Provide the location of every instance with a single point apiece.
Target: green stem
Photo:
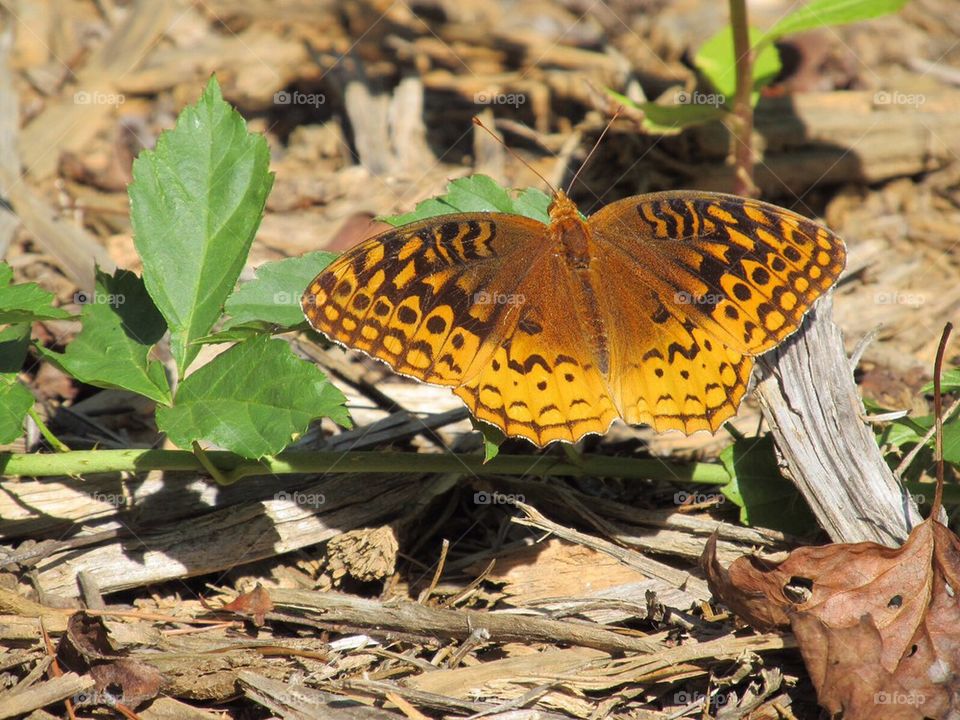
(234, 467)
(54, 441)
(742, 118)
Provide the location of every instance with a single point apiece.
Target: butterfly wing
(543, 382)
(416, 297)
(475, 302)
(744, 271)
(697, 284)
(665, 370)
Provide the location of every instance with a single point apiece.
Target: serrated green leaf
(253, 399)
(15, 401)
(949, 382)
(477, 193)
(274, 296)
(14, 343)
(25, 302)
(716, 60)
(764, 496)
(120, 326)
(196, 203)
(820, 13)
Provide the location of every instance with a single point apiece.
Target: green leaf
(25, 302)
(659, 119)
(274, 296)
(949, 382)
(493, 438)
(14, 343)
(716, 60)
(820, 13)
(764, 496)
(120, 326)
(15, 401)
(909, 431)
(253, 399)
(195, 203)
(477, 193)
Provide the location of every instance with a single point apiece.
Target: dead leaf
(126, 681)
(254, 604)
(87, 637)
(878, 627)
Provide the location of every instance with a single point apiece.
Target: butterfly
(651, 310)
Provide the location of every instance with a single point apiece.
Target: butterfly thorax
(570, 232)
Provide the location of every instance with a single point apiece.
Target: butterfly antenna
(593, 149)
(479, 124)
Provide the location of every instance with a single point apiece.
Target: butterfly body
(650, 310)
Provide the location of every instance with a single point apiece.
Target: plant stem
(234, 467)
(742, 118)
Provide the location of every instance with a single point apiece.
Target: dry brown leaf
(878, 627)
(127, 681)
(254, 604)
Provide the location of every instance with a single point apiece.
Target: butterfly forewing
(743, 270)
(426, 298)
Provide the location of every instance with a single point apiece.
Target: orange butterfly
(650, 310)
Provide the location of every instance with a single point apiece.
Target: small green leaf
(195, 203)
(493, 438)
(15, 401)
(120, 326)
(907, 432)
(820, 13)
(764, 496)
(949, 382)
(274, 296)
(25, 302)
(253, 399)
(477, 193)
(717, 62)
